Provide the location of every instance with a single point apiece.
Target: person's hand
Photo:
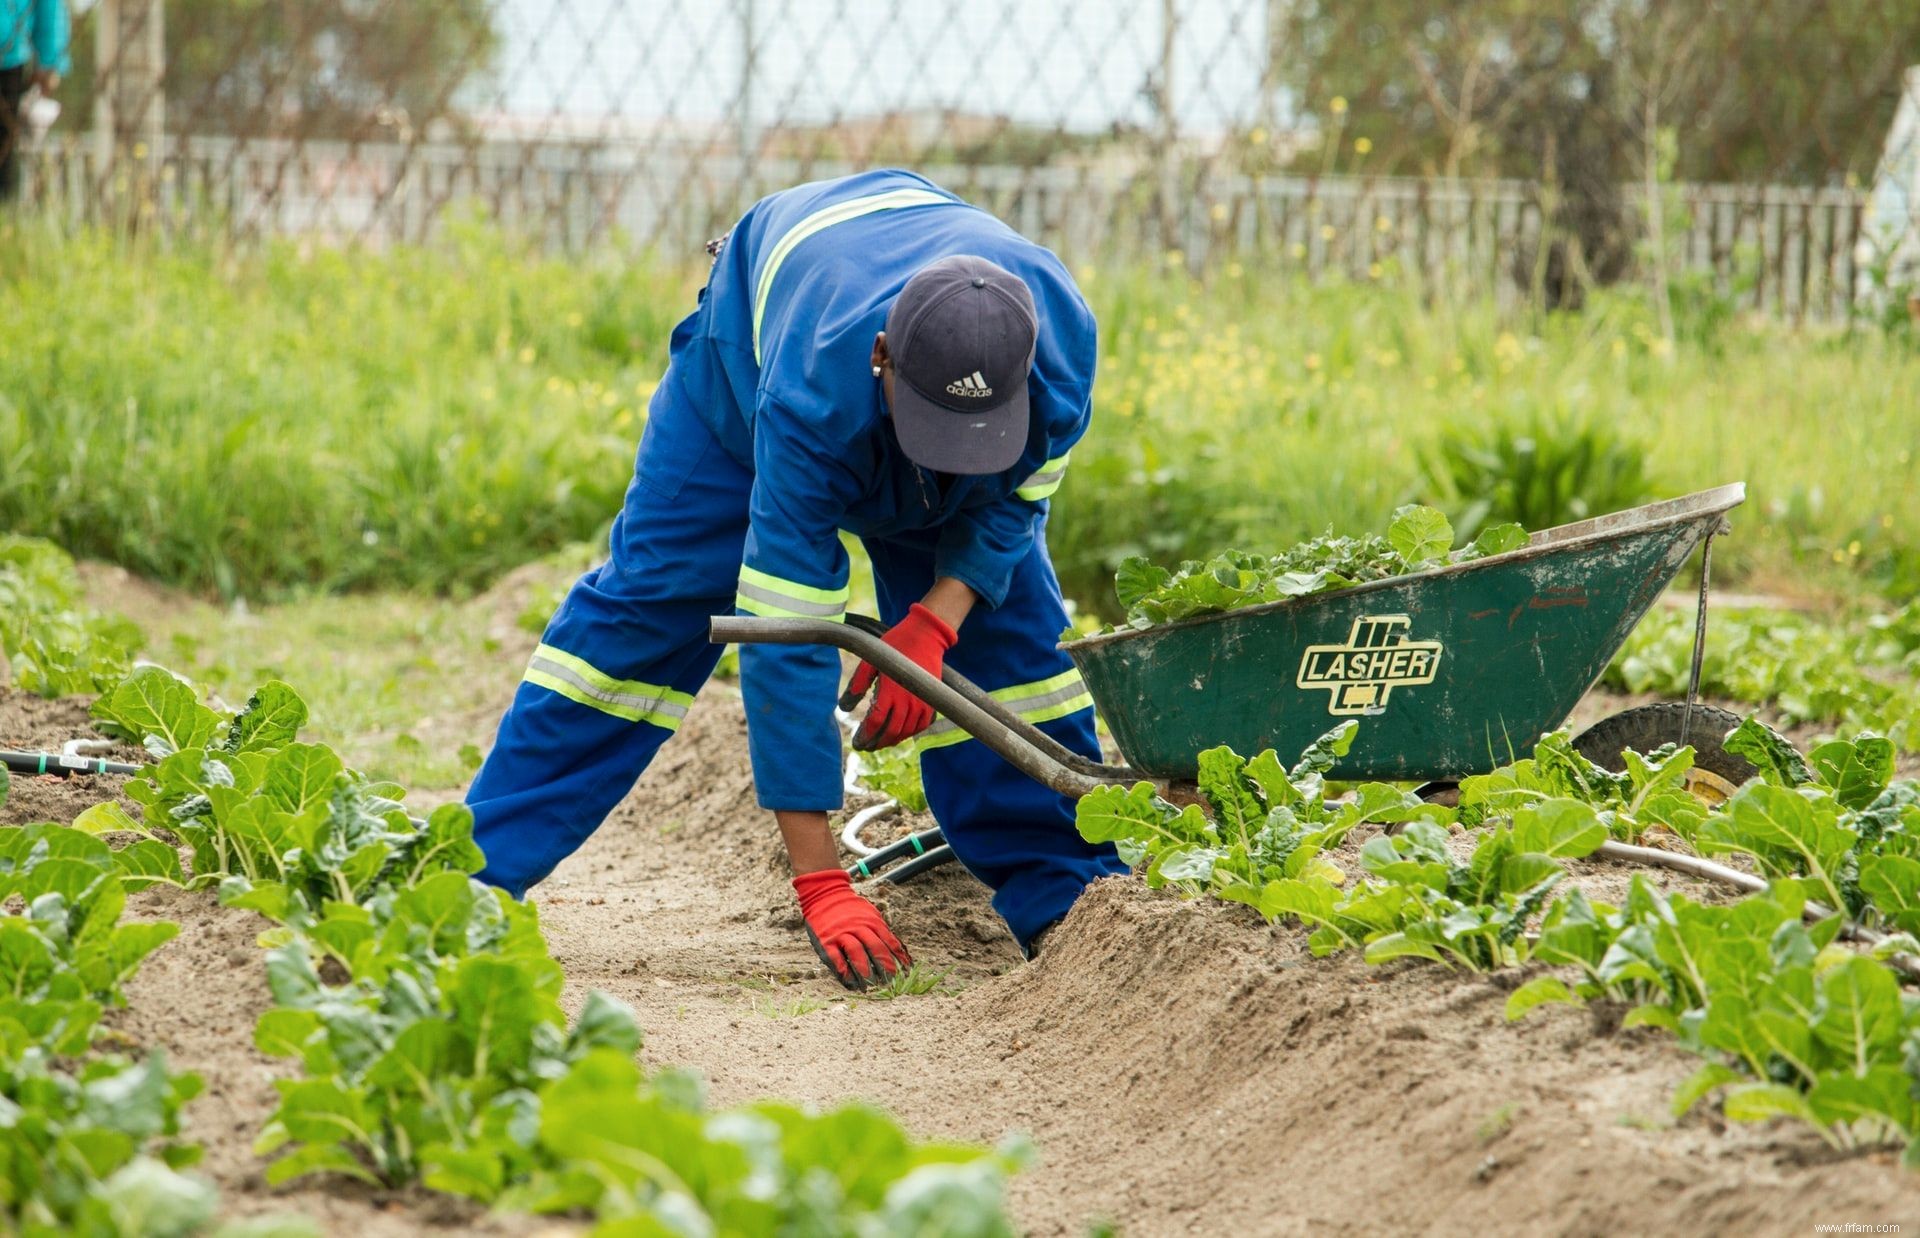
(48, 80)
(847, 931)
(896, 714)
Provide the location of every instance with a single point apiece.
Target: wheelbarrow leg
(1699, 636)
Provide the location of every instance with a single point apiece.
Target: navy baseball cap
(961, 335)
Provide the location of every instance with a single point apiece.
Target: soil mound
(1181, 1067)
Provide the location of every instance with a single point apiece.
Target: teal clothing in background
(35, 30)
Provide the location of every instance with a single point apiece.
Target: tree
(315, 68)
(1577, 93)
(1798, 90)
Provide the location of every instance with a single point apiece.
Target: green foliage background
(290, 419)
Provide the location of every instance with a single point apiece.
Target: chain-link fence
(1766, 151)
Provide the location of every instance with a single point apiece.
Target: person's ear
(881, 358)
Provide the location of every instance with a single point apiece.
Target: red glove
(896, 714)
(847, 931)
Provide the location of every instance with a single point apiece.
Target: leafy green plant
(53, 644)
(1540, 470)
(915, 981)
(68, 954)
(1651, 793)
(1477, 914)
(424, 1062)
(284, 827)
(644, 1153)
(1791, 1024)
(895, 773)
(424, 1010)
(88, 1141)
(94, 1150)
(1418, 538)
(1267, 822)
(1859, 672)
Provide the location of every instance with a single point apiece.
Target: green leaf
(1563, 829)
(605, 1022)
(105, 962)
(1700, 1083)
(1862, 1021)
(1652, 1014)
(1758, 1102)
(1136, 579)
(275, 1226)
(1537, 992)
(1788, 833)
(474, 1173)
(321, 1111)
(150, 704)
(285, 1032)
(149, 1198)
(318, 1158)
(1858, 770)
(430, 1050)
(1113, 814)
(107, 817)
(444, 905)
(1892, 884)
(1880, 1094)
(1276, 788)
(1499, 539)
(300, 776)
(1237, 812)
(272, 717)
(1772, 753)
(272, 899)
(1420, 533)
(1402, 945)
(1386, 861)
(1325, 752)
(361, 868)
(497, 1004)
(149, 862)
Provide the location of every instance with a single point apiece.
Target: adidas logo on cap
(972, 385)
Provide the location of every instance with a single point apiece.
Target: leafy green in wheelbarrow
(1418, 538)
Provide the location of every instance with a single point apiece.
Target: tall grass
(426, 418)
(325, 418)
(1255, 411)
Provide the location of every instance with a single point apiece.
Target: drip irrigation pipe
(918, 846)
(1693, 865)
(850, 834)
(62, 764)
(919, 864)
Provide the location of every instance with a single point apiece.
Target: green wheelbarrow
(1452, 671)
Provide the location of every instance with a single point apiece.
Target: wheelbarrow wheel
(1716, 773)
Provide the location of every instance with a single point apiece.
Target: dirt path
(1181, 1067)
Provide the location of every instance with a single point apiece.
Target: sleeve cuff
(990, 590)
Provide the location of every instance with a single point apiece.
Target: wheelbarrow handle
(1026, 747)
(1012, 721)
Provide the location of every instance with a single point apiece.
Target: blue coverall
(767, 437)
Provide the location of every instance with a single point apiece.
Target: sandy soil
(1181, 1067)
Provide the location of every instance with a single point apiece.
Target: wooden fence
(1799, 253)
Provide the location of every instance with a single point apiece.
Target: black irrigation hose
(914, 867)
(920, 845)
(61, 764)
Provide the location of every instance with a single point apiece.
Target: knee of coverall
(560, 765)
